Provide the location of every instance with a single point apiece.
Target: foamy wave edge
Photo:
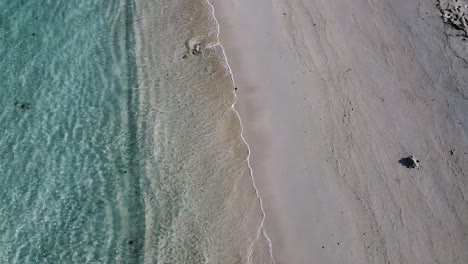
(261, 229)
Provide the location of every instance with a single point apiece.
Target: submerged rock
(197, 48)
(23, 105)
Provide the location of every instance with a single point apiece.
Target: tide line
(261, 230)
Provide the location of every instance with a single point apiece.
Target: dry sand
(332, 94)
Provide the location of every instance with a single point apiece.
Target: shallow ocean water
(118, 145)
(69, 173)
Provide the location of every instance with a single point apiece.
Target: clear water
(117, 144)
(69, 174)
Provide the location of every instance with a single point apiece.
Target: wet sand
(200, 203)
(332, 96)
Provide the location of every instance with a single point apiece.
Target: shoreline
(261, 230)
(288, 222)
(200, 205)
(331, 98)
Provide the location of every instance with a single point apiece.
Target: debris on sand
(197, 48)
(455, 13)
(414, 162)
(196, 45)
(410, 162)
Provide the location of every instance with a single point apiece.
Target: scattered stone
(452, 151)
(284, 14)
(130, 242)
(184, 57)
(235, 88)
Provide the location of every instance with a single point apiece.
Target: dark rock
(410, 162)
(197, 49)
(23, 105)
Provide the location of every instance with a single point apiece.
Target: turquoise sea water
(69, 174)
(117, 143)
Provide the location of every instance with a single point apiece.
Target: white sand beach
(332, 95)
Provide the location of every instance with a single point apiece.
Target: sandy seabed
(332, 96)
